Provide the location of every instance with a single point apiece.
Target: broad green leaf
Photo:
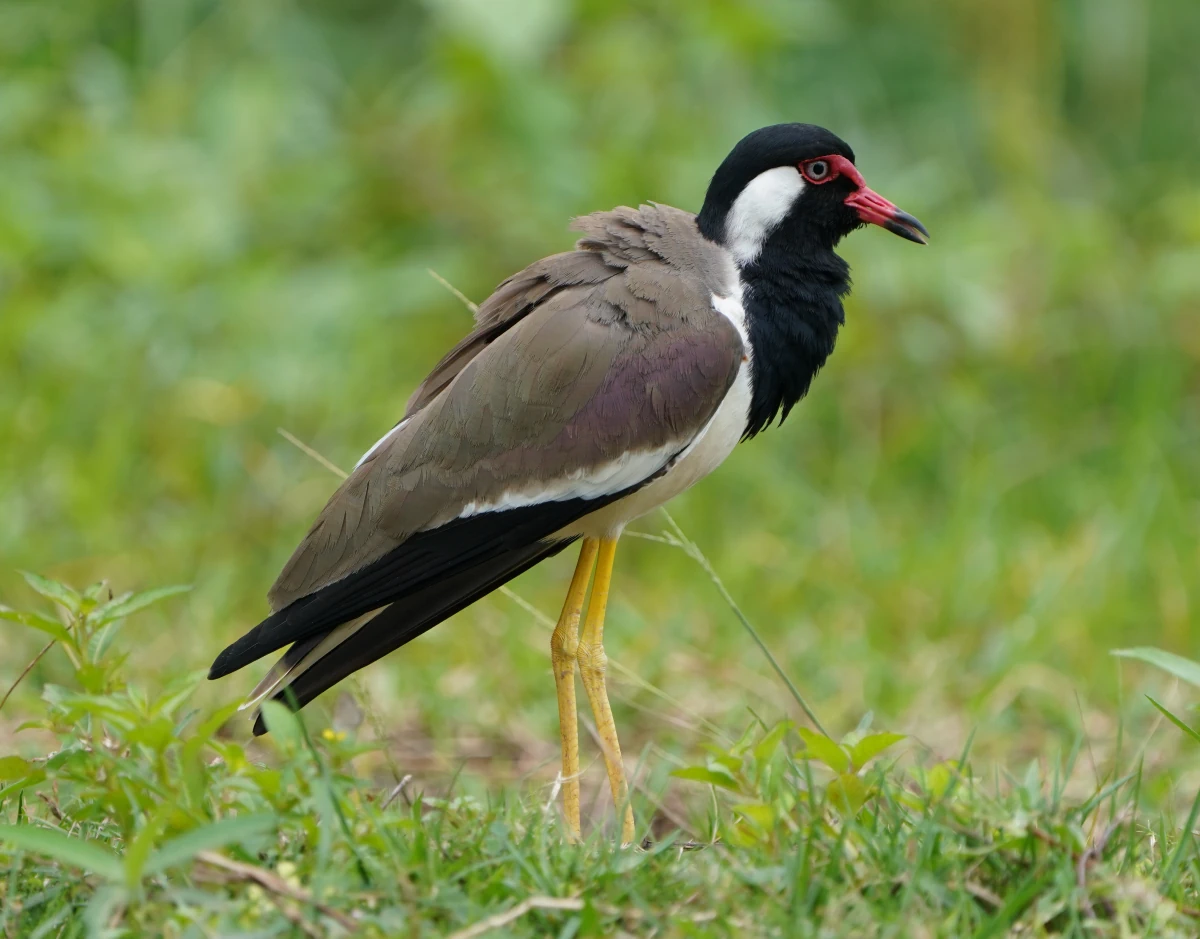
(37, 621)
(938, 778)
(283, 725)
(13, 767)
(218, 834)
(55, 844)
(722, 756)
(24, 782)
(821, 748)
(156, 733)
(54, 695)
(179, 693)
(53, 590)
(847, 793)
(714, 776)
(765, 748)
(102, 639)
(762, 816)
(871, 746)
(1175, 720)
(127, 605)
(1183, 669)
(93, 678)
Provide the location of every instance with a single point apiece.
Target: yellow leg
(592, 662)
(564, 646)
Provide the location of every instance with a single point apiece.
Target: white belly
(704, 455)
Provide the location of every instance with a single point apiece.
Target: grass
(153, 816)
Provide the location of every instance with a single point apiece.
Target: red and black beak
(874, 209)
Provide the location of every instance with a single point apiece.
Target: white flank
(722, 433)
(704, 453)
(379, 443)
(627, 470)
(760, 207)
(707, 450)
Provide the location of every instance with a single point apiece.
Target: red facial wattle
(871, 207)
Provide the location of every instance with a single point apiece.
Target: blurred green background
(216, 219)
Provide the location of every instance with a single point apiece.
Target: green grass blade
(60, 846)
(692, 550)
(1183, 669)
(1175, 720)
(1014, 906)
(1185, 838)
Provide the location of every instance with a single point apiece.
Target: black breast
(793, 304)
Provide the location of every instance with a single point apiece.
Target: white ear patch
(762, 205)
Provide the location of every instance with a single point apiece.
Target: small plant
(139, 785)
(129, 771)
(87, 624)
(768, 780)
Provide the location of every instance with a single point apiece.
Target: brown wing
(585, 376)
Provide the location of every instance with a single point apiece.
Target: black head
(797, 181)
(780, 202)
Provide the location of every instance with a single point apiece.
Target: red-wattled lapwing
(596, 385)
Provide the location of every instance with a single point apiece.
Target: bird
(596, 385)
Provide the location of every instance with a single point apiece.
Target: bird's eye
(817, 171)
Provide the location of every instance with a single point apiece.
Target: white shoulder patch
(732, 309)
(760, 207)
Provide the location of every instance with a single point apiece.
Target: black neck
(792, 295)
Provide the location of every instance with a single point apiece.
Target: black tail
(404, 620)
(425, 560)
